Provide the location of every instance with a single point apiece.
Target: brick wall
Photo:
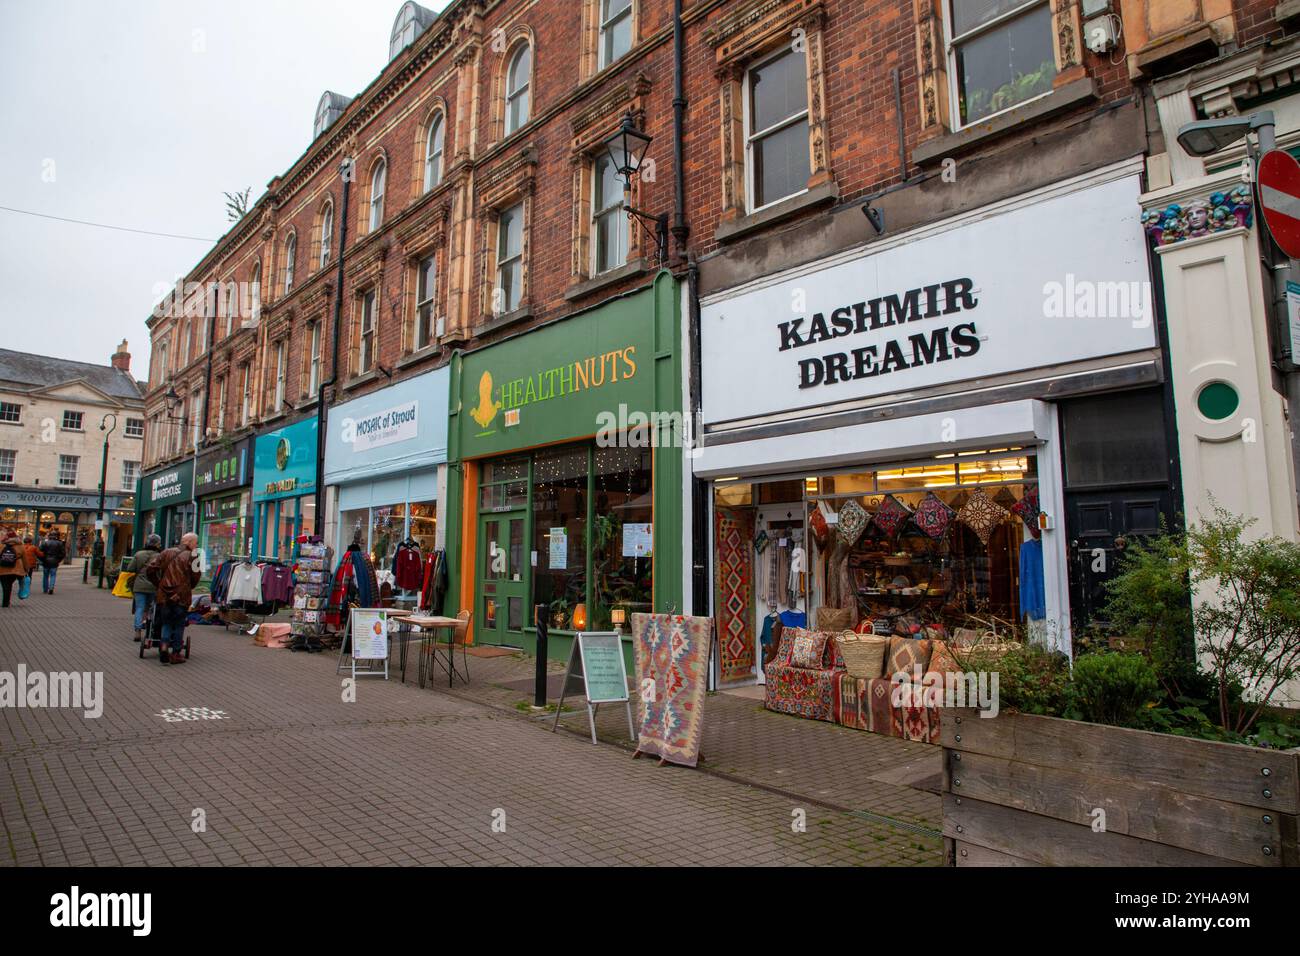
(456, 67)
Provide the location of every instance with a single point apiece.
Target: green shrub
(1031, 680)
(1115, 688)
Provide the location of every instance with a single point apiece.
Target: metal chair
(430, 646)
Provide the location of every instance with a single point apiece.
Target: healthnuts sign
(963, 300)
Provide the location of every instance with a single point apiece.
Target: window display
(381, 530)
(914, 550)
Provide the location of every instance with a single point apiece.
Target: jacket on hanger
(245, 583)
(408, 571)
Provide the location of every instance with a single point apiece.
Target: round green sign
(1217, 400)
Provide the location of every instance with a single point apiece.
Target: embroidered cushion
(853, 521)
(891, 515)
(785, 646)
(1027, 510)
(834, 619)
(820, 530)
(982, 514)
(905, 655)
(933, 516)
(808, 649)
(942, 660)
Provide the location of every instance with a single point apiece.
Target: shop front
(284, 489)
(912, 465)
(567, 474)
(383, 454)
(33, 512)
(222, 484)
(166, 503)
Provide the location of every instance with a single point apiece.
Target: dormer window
(412, 19)
(330, 108)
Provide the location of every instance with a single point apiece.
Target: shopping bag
(123, 587)
(24, 587)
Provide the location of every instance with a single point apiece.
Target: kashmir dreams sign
(997, 291)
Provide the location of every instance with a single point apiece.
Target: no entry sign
(1279, 199)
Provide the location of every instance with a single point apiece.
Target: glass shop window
(1114, 440)
(560, 531)
(622, 560)
(504, 485)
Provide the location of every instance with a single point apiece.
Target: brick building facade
(480, 202)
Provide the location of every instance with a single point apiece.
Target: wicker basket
(864, 654)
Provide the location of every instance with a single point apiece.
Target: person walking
(144, 590)
(31, 558)
(12, 567)
(174, 573)
(53, 552)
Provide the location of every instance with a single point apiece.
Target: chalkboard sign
(596, 670)
(603, 670)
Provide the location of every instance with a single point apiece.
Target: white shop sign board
(369, 640)
(1035, 286)
(392, 425)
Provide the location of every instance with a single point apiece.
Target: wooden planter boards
(1021, 790)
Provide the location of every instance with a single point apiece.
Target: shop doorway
(1117, 489)
(502, 584)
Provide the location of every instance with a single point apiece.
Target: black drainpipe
(681, 231)
(319, 523)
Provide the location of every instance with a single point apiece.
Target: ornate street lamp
(627, 148)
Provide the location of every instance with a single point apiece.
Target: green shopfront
(222, 481)
(565, 488)
(165, 504)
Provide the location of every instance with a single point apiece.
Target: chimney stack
(122, 358)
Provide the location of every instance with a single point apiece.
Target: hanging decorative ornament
(891, 515)
(982, 514)
(933, 516)
(1027, 510)
(853, 521)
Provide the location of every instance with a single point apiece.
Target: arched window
(517, 84)
(412, 19)
(290, 254)
(326, 235)
(433, 154)
(255, 293)
(377, 195)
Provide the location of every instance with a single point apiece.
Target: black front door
(1115, 451)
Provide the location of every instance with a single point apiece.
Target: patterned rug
(733, 593)
(672, 659)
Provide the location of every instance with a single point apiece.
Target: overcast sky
(140, 113)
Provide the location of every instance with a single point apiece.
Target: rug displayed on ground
(734, 593)
(672, 659)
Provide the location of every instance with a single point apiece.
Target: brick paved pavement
(293, 775)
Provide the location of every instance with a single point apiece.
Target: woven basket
(864, 654)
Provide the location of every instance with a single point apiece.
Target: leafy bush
(1246, 622)
(1114, 688)
(1031, 679)
(1148, 600)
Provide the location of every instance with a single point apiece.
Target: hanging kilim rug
(672, 654)
(733, 593)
